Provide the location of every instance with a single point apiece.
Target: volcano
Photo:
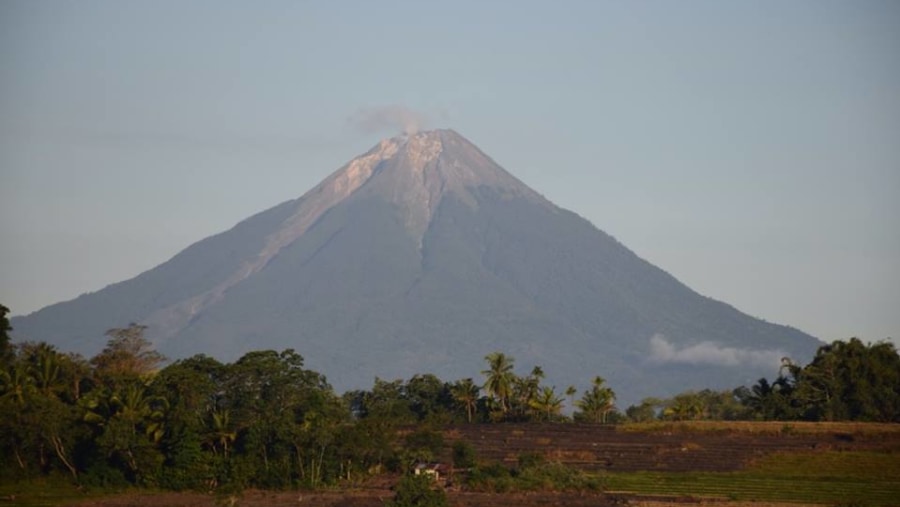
(422, 256)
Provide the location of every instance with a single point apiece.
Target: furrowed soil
(671, 447)
(654, 465)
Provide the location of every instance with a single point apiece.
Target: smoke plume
(662, 351)
(392, 118)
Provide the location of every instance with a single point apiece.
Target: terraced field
(824, 464)
(686, 448)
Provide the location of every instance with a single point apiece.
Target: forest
(265, 421)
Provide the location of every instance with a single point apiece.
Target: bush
(424, 444)
(557, 477)
(463, 454)
(533, 474)
(531, 460)
(418, 491)
(494, 477)
(103, 476)
(186, 467)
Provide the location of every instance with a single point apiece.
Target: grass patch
(858, 478)
(763, 427)
(43, 492)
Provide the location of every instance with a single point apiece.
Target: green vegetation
(463, 455)
(860, 478)
(845, 381)
(418, 491)
(533, 473)
(5, 328)
(118, 421)
(597, 403)
(264, 421)
(764, 427)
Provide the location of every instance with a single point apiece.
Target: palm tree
(758, 399)
(17, 394)
(34, 415)
(546, 402)
(684, 407)
(526, 389)
(598, 402)
(465, 392)
(45, 368)
(130, 423)
(500, 378)
(571, 392)
(222, 433)
(141, 410)
(768, 401)
(53, 417)
(16, 384)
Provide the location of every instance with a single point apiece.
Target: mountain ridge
(416, 254)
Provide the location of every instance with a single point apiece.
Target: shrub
(463, 454)
(557, 477)
(424, 444)
(531, 460)
(533, 474)
(494, 477)
(418, 491)
(101, 475)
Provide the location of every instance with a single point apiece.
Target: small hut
(438, 471)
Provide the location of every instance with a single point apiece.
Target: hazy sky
(751, 149)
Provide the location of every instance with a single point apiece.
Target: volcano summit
(422, 256)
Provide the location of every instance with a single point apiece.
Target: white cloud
(662, 351)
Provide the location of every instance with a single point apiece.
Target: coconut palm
(525, 390)
(130, 423)
(141, 410)
(222, 433)
(500, 378)
(685, 406)
(17, 391)
(571, 391)
(45, 362)
(16, 384)
(465, 393)
(546, 403)
(598, 402)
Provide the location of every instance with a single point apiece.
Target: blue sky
(751, 149)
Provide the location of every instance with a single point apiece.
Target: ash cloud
(392, 118)
(662, 351)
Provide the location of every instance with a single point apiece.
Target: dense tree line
(266, 421)
(845, 381)
(117, 419)
(503, 397)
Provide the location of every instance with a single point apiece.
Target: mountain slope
(423, 255)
